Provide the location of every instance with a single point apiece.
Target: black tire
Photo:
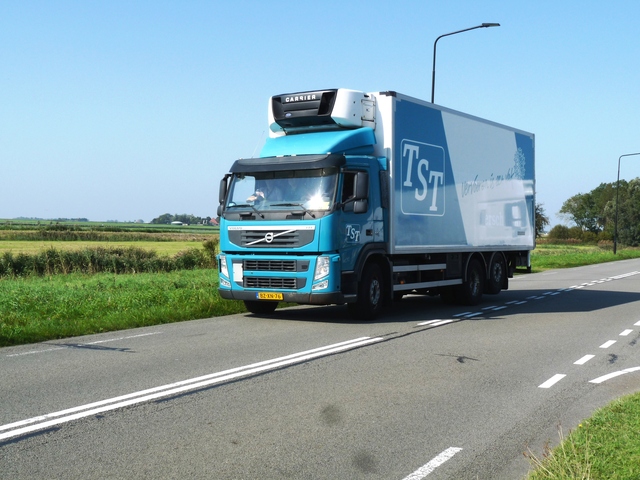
(470, 292)
(260, 308)
(497, 275)
(370, 294)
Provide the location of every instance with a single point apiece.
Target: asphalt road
(428, 390)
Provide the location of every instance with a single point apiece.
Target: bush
(99, 259)
(559, 232)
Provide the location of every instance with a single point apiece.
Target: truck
(361, 198)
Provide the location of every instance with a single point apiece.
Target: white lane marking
(433, 464)
(32, 352)
(614, 374)
(584, 360)
(490, 307)
(521, 303)
(95, 408)
(552, 381)
(625, 332)
(435, 323)
(637, 324)
(429, 322)
(607, 344)
(473, 315)
(461, 314)
(499, 308)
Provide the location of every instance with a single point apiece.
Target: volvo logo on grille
(268, 237)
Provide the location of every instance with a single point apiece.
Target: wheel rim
(374, 292)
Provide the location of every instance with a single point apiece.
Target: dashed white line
(552, 381)
(625, 332)
(637, 324)
(607, 344)
(433, 464)
(584, 360)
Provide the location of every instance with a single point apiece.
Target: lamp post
(615, 229)
(433, 73)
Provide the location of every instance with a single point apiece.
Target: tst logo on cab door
(422, 179)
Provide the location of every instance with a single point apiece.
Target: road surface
(427, 391)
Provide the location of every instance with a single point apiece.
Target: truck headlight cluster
(322, 268)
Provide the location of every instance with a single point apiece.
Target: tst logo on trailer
(422, 178)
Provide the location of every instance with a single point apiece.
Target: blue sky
(130, 109)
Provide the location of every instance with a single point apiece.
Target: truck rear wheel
(370, 294)
(260, 308)
(470, 292)
(497, 275)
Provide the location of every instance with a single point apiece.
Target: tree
(541, 220)
(629, 213)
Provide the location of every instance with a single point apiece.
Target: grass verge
(606, 446)
(35, 309)
(548, 257)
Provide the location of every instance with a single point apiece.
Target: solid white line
(441, 322)
(625, 333)
(32, 352)
(552, 381)
(430, 322)
(607, 344)
(433, 464)
(584, 360)
(175, 388)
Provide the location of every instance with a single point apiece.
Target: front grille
(270, 265)
(267, 282)
(279, 237)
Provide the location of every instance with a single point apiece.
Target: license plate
(269, 296)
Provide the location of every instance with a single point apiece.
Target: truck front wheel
(470, 292)
(370, 294)
(260, 308)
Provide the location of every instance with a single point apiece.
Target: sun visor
(294, 162)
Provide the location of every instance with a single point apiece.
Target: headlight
(321, 285)
(322, 268)
(223, 266)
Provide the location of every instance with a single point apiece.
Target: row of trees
(594, 213)
(184, 218)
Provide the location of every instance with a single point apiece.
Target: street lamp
(615, 229)
(433, 73)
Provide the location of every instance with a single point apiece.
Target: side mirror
(360, 206)
(222, 193)
(361, 188)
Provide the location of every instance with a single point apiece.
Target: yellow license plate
(270, 296)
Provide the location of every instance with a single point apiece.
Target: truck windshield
(310, 189)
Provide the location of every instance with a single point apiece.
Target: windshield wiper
(294, 205)
(244, 205)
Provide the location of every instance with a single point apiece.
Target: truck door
(356, 226)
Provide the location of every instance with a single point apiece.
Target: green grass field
(31, 247)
